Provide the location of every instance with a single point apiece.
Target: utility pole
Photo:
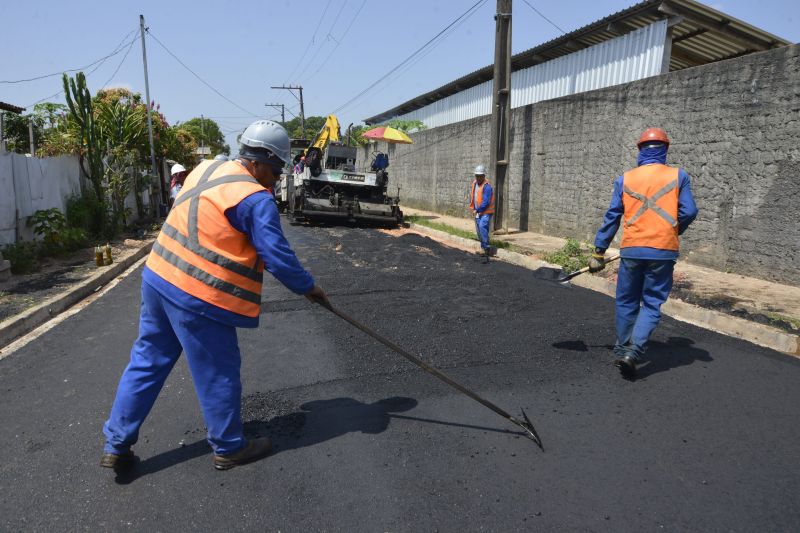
(291, 89)
(149, 112)
(501, 104)
(202, 137)
(30, 136)
(283, 111)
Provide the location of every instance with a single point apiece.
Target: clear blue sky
(242, 48)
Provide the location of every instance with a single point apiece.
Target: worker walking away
(481, 203)
(202, 280)
(178, 176)
(655, 203)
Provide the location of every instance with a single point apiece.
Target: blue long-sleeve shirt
(486, 199)
(256, 216)
(687, 210)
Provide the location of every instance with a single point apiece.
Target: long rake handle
(527, 426)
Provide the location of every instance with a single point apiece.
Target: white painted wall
(28, 184)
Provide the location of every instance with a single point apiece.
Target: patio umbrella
(385, 133)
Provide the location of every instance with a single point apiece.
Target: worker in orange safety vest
(203, 279)
(481, 203)
(654, 203)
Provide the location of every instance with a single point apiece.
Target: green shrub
(74, 239)
(24, 256)
(570, 257)
(79, 212)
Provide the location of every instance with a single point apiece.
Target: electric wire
(346, 31)
(156, 39)
(545, 18)
(424, 54)
(128, 51)
(328, 36)
(116, 51)
(310, 42)
(470, 10)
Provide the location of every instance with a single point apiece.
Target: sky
(335, 49)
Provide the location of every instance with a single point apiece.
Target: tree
(313, 125)
(407, 125)
(206, 132)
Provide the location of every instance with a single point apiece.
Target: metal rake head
(530, 431)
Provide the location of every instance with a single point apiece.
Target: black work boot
(627, 366)
(255, 450)
(118, 462)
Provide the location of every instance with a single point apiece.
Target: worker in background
(656, 204)
(178, 173)
(481, 203)
(221, 157)
(300, 162)
(202, 280)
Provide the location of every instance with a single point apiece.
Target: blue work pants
(212, 352)
(642, 286)
(482, 223)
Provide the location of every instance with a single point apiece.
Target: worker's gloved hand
(317, 295)
(598, 260)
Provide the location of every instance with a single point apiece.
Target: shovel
(565, 279)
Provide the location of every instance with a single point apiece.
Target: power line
(116, 51)
(346, 31)
(474, 7)
(198, 76)
(120, 64)
(310, 42)
(327, 37)
(427, 52)
(97, 66)
(545, 18)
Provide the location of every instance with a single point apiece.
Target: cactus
(79, 102)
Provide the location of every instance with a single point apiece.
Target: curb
(34, 317)
(699, 316)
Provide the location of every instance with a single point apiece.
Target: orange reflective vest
(198, 250)
(476, 197)
(650, 199)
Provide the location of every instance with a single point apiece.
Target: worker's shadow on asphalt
(664, 356)
(316, 422)
(659, 357)
(322, 420)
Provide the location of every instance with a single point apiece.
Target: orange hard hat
(653, 135)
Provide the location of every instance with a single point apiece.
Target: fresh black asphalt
(706, 439)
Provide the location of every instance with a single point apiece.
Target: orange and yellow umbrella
(388, 134)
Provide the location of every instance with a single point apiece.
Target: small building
(650, 38)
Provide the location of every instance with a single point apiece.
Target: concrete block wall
(734, 127)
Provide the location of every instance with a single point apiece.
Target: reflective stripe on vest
(223, 267)
(650, 200)
(476, 197)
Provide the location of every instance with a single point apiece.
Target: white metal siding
(633, 56)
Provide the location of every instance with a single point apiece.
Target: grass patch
(422, 221)
(779, 320)
(571, 257)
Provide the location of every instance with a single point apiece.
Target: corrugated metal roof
(633, 56)
(700, 35)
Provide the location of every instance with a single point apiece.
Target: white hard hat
(268, 135)
(177, 167)
(220, 157)
(480, 170)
